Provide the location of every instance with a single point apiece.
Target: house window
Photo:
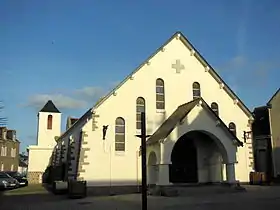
(3, 151)
(196, 90)
(50, 121)
(120, 134)
(2, 166)
(12, 167)
(215, 108)
(232, 128)
(160, 104)
(140, 107)
(13, 152)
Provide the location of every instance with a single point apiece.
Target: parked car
(7, 182)
(19, 177)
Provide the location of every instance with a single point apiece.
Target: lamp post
(247, 135)
(143, 137)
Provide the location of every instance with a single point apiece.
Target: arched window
(160, 104)
(50, 121)
(196, 90)
(215, 108)
(140, 107)
(120, 134)
(232, 128)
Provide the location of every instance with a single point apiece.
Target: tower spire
(50, 107)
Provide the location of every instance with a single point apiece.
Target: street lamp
(143, 137)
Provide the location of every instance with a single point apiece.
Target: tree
(3, 120)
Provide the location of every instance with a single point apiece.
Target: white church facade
(195, 120)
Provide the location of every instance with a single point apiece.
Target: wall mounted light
(105, 127)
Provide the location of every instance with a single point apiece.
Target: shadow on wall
(276, 152)
(265, 162)
(149, 127)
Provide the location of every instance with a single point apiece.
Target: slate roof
(178, 115)
(50, 107)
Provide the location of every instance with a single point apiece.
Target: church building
(195, 121)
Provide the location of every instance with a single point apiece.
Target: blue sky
(73, 51)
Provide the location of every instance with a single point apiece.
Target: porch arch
(190, 165)
(228, 149)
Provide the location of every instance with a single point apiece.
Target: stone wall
(34, 177)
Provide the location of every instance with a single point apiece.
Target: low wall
(34, 177)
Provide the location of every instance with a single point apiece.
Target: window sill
(160, 111)
(119, 153)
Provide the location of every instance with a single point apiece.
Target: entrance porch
(192, 146)
(195, 159)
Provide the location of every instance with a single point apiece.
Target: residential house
(9, 150)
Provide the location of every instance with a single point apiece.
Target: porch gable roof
(179, 114)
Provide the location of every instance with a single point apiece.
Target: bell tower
(49, 125)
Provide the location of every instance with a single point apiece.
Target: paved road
(256, 198)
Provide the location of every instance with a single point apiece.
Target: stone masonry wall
(34, 177)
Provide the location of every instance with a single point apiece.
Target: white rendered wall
(123, 168)
(46, 137)
(38, 158)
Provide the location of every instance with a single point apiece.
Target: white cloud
(72, 99)
(61, 101)
(89, 93)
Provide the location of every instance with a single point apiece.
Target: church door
(184, 162)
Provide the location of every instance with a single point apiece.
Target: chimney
(70, 122)
(3, 131)
(11, 135)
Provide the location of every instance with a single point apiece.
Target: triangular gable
(179, 114)
(275, 94)
(168, 125)
(206, 65)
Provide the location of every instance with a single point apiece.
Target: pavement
(256, 197)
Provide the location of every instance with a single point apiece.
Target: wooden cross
(178, 66)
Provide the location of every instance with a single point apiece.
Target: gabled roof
(50, 107)
(274, 95)
(179, 114)
(202, 61)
